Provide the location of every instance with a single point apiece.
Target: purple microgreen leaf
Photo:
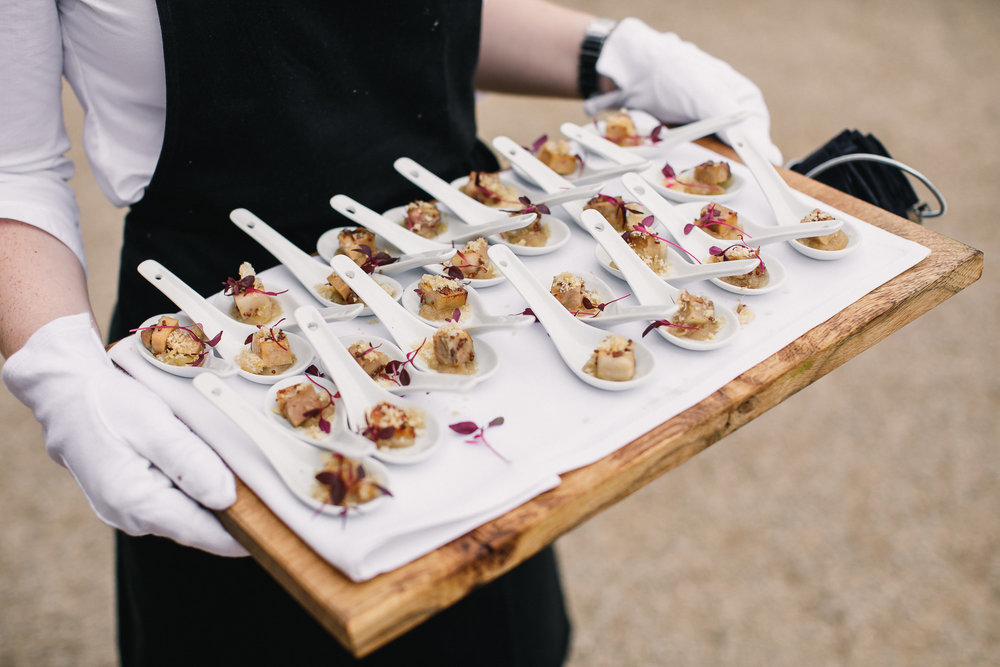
(496, 421)
(537, 144)
(464, 428)
(668, 171)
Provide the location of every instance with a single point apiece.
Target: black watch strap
(590, 51)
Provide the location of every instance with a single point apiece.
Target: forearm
(42, 280)
(530, 47)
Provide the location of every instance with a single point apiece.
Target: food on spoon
(472, 261)
(424, 219)
(487, 188)
(251, 303)
(571, 291)
(351, 241)
(454, 350)
(620, 129)
(707, 178)
(306, 408)
(556, 154)
(346, 483)
(614, 359)
(337, 290)
(533, 235)
(836, 241)
(616, 210)
(755, 279)
(650, 248)
(368, 356)
(718, 221)
(696, 318)
(268, 352)
(440, 296)
(390, 426)
(175, 345)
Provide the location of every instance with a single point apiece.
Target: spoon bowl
(328, 245)
(615, 311)
(212, 362)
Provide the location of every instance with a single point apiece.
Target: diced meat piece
(299, 402)
(351, 241)
(159, 337)
(386, 415)
(342, 289)
(727, 226)
(453, 346)
(620, 129)
(614, 359)
(712, 173)
(368, 357)
(249, 304)
(556, 154)
(442, 294)
(273, 353)
(567, 288)
(423, 218)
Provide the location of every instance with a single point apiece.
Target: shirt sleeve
(33, 141)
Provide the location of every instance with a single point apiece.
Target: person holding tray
(193, 109)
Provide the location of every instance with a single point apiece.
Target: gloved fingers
(144, 423)
(129, 494)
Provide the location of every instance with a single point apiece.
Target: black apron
(275, 107)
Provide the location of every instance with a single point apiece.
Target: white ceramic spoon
(574, 340)
(615, 312)
(788, 208)
(328, 245)
(649, 288)
(474, 317)
(465, 207)
(296, 462)
(667, 137)
(212, 362)
(398, 235)
(758, 234)
(338, 425)
(309, 271)
(418, 380)
(654, 176)
(698, 242)
(234, 334)
(359, 393)
(409, 332)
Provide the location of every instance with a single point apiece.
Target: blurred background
(858, 523)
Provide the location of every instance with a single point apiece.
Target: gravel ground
(855, 524)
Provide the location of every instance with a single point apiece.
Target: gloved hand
(120, 441)
(677, 82)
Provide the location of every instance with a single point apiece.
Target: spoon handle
(775, 189)
(539, 172)
(463, 206)
(598, 144)
(403, 326)
(395, 234)
(353, 384)
(306, 269)
(699, 129)
(647, 287)
(197, 308)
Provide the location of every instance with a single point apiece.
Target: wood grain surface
(364, 616)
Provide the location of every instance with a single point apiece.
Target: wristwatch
(590, 51)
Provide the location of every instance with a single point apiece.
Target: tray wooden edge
(364, 616)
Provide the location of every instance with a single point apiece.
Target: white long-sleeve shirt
(111, 53)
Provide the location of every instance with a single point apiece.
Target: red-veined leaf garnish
(478, 434)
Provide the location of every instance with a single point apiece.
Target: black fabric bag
(859, 165)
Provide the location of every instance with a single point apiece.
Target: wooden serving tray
(364, 616)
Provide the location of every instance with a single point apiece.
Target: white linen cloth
(553, 422)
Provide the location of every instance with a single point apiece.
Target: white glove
(120, 441)
(677, 82)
